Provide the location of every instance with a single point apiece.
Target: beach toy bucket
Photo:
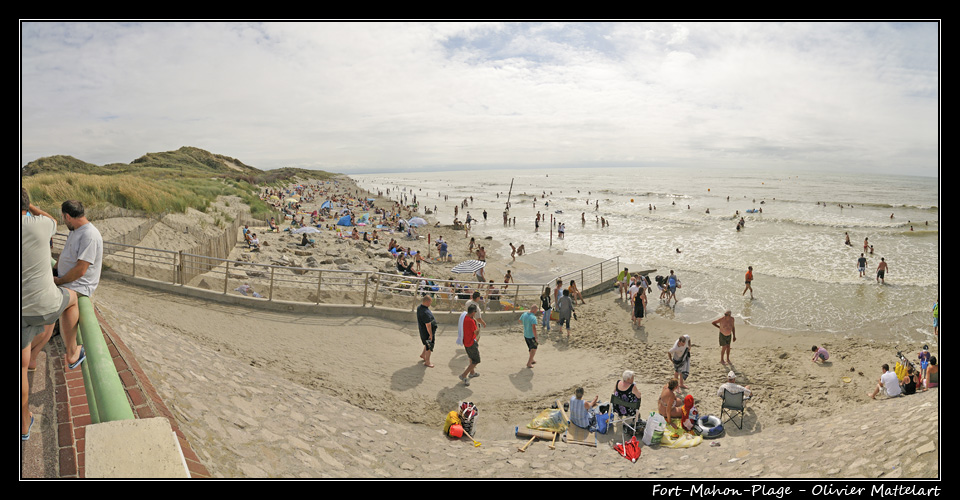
(456, 430)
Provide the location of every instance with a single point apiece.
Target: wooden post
(319, 281)
(375, 290)
(366, 281)
(134, 262)
(226, 275)
(272, 270)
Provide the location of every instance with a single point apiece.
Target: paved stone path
(244, 421)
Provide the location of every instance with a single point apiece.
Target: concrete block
(143, 448)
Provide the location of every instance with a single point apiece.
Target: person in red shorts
(470, 344)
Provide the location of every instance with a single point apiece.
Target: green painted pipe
(88, 385)
(104, 383)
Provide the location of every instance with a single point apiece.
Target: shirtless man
(728, 334)
(669, 405)
(881, 271)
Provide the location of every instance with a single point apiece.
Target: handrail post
(375, 290)
(183, 270)
(134, 262)
(226, 275)
(516, 298)
(319, 281)
(366, 281)
(272, 269)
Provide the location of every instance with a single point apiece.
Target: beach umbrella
(417, 222)
(468, 266)
(308, 229)
(325, 204)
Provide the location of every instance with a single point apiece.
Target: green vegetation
(155, 183)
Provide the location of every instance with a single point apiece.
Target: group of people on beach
(913, 380)
(671, 402)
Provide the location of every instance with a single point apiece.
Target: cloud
(382, 96)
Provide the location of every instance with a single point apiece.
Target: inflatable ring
(710, 427)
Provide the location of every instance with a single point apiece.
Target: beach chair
(733, 404)
(626, 421)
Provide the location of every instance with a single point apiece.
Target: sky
(358, 97)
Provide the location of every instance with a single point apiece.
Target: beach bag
(467, 414)
(653, 430)
(602, 421)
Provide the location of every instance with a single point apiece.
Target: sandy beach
(363, 374)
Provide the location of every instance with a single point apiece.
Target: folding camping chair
(733, 404)
(626, 421)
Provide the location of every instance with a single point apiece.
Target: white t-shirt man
(734, 388)
(891, 383)
(83, 243)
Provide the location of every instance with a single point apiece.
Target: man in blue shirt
(529, 320)
(582, 413)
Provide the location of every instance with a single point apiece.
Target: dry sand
(373, 365)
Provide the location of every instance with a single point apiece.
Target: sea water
(805, 277)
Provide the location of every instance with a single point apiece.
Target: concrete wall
(387, 313)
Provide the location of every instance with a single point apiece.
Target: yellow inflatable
(900, 369)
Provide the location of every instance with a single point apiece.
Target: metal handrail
(105, 395)
(388, 288)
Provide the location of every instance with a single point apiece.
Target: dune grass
(155, 183)
(136, 193)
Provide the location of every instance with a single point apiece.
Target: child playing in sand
(819, 353)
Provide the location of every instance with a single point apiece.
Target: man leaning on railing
(41, 301)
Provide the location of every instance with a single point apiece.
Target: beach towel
(460, 329)
(682, 366)
(690, 413)
(675, 437)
